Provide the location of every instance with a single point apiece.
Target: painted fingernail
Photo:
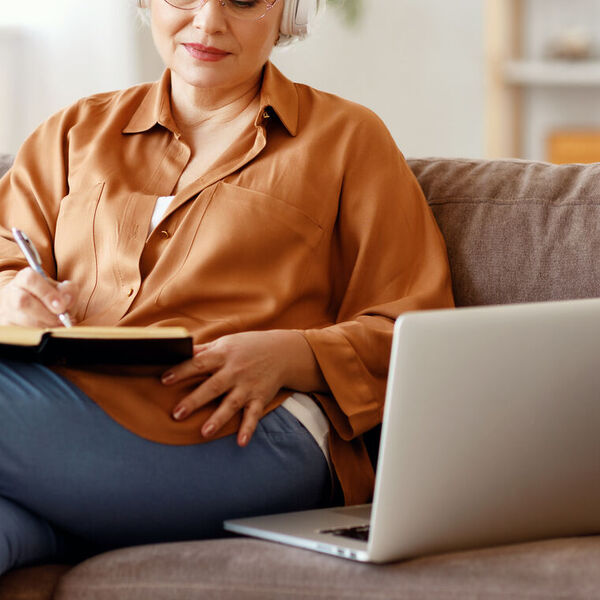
(55, 303)
(208, 430)
(244, 440)
(179, 413)
(168, 377)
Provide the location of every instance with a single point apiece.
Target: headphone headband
(298, 16)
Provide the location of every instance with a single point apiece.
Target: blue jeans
(74, 482)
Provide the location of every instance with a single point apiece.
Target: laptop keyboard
(357, 533)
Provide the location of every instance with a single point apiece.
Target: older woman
(279, 224)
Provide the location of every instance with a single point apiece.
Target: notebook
(491, 435)
(82, 346)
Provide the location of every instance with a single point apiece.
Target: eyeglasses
(250, 10)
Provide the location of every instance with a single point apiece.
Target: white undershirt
(160, 208)
(310, 415)
(303, 407)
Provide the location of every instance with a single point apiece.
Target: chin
(206, 75)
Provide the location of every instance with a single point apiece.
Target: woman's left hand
(247, 369)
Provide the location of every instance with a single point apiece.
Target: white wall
(52, 53)
(11, 65)
(417, 63)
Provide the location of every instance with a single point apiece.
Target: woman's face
(208, 48)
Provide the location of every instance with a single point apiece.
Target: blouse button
(164, 234)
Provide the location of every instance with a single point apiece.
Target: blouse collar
(278, 95)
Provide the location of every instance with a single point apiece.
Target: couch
(516, 231)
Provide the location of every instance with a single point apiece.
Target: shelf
(528, 94)
(553, 73)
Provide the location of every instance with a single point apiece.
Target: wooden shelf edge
(553, 73)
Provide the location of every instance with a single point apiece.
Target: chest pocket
(74, 246)
(246, 259)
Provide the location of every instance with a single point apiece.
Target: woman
(279, 224)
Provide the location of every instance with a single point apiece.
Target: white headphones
(298, 16)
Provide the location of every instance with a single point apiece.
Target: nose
(210, 16)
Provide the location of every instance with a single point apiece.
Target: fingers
(69, 292)
(26, 310)
(56, 297)
(214, 387)
(234, 400)
(202, 363)
(243, 372)
(31, 300)
(233, 403)
(252, 415)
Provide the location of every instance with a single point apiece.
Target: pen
(35, 262)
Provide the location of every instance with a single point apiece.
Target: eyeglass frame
(223, 4)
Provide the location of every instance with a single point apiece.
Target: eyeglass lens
(241, 9)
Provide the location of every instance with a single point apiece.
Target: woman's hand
(247, 370)
(29, 300)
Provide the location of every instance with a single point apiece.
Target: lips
(205, 53)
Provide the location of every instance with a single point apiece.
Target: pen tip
(65, 320)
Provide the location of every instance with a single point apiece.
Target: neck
(193, 106)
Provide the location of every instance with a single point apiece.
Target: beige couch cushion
(5, 162)
(256, 570)
(516, 231)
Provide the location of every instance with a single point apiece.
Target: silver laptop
(491, 435)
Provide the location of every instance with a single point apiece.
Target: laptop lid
(491, 429)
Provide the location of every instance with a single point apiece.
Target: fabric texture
(516, 231)
(566, 569)
(311, 221)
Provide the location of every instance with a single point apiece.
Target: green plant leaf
(351, 10)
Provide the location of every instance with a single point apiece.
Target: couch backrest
(516, 231)
(5, 162)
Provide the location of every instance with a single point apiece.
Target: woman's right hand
(30, 300)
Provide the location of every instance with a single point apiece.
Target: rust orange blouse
(311, 221)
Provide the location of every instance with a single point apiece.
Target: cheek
(259, 37)
(261, 44)
(163, 30)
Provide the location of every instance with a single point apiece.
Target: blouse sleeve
(389, 258)
(30, 195)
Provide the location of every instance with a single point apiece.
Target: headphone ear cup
(298, 16)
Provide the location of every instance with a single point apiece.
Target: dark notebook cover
(97, 345)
